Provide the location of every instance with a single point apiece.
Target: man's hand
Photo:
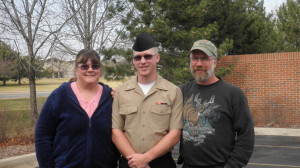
(113, 92)
(138, 160)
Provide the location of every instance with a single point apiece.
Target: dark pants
(165, 161)
(186, 166)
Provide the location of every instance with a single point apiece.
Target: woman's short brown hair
(83, 56)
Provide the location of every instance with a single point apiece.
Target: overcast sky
(272, 5)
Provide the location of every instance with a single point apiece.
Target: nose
(90, 68)
(143, 60)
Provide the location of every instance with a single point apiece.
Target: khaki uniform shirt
(145, 120)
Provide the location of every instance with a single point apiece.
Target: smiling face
(202, 67)
(145, 64)
(88, 67)
(90, 75)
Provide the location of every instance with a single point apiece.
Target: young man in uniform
(147, 112)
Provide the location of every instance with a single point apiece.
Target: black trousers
(186, 166)
(165, 161)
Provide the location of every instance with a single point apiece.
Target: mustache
(199, 69)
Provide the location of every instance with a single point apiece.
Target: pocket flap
(161, 109)
(128, 110)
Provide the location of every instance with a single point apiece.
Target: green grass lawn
(15, 116)
(45, 85)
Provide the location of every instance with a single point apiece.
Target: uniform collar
(159, 84)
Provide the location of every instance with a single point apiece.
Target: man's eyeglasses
(139, 57)
(196, 59)
(86, 67)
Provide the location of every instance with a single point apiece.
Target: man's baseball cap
(143, 42)
(206, 46)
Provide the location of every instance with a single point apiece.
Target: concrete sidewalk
(29, 160)
(277, 131)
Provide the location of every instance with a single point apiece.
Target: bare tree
(31, 26)
(97, 25)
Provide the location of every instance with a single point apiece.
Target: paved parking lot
(272, 152)
(275, 151)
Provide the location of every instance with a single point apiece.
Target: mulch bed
(16, 147)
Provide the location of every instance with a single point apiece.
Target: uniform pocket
(160, 117)
(130, 115)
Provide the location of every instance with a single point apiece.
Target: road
(22, 94)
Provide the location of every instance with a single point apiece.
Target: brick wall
(271, 83)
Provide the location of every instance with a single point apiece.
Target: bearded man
(218, 128)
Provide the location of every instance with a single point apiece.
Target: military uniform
(146, 119)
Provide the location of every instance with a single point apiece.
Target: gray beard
(205, 77)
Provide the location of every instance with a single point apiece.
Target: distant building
(60, 68)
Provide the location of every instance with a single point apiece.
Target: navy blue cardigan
(66, 137)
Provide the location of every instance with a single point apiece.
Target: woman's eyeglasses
(139, 57)
(86, 67)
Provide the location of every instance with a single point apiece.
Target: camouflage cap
(206, 46)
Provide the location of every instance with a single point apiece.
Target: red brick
(271, 83)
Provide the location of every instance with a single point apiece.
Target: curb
(18, 161)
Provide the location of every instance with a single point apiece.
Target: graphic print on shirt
(198, 117)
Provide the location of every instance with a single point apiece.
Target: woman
(74, 127)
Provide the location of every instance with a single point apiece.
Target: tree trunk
(19, 78)
(31, 76)
(33, 102)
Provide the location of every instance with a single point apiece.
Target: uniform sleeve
(244, 128)
(117, 119)
(45, 133)
(176, 120)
